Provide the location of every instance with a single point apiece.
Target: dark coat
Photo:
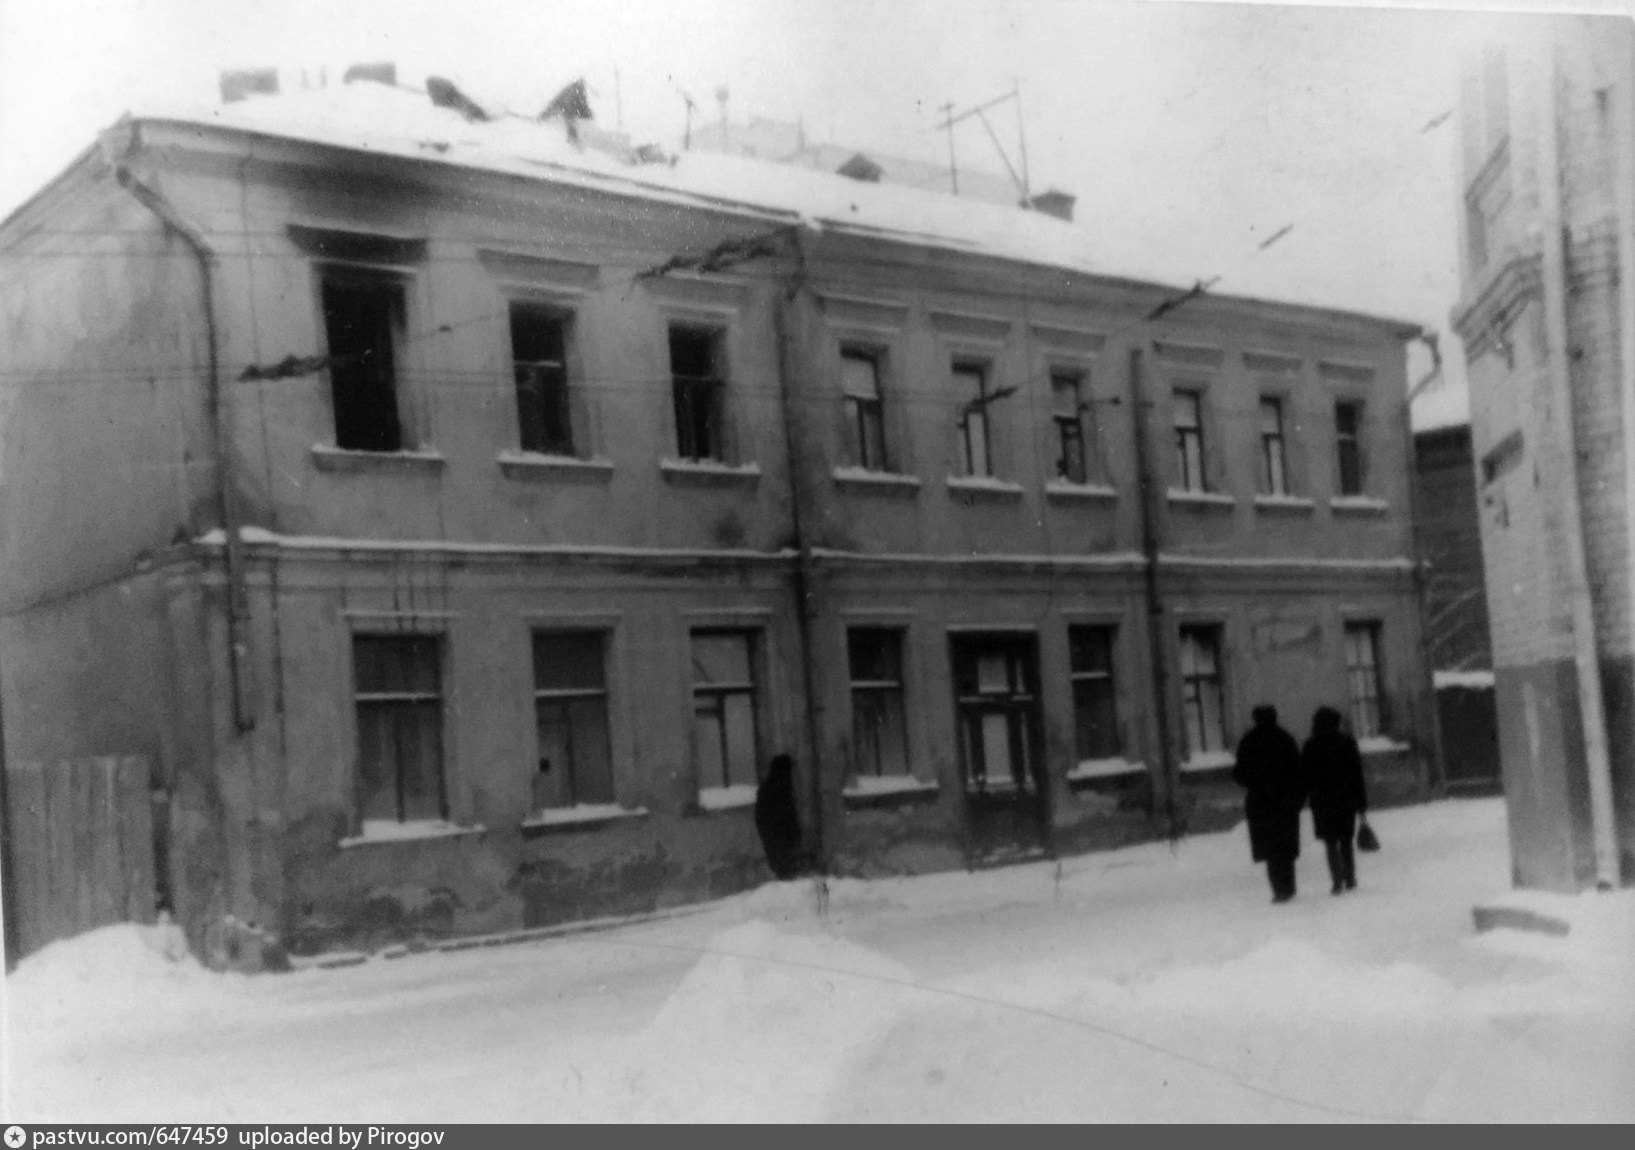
(1334, 777)
(1268, 767)
(777, 821)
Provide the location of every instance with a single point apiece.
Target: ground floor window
(995, 680)
(1095, 702)
(725, 735)
(575, 763)
(1203, 707)
(399, 702)
(879, 725)
(1362, 669)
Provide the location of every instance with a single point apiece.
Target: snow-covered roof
(393, 120)
(1443, 405)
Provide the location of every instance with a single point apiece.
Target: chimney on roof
(242, 83)
(444, 94)
(383, 72)
(860, 167)
(1054, 202)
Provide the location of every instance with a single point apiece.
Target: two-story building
(458, 518)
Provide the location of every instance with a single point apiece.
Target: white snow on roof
(398, 121)
(1445, 404)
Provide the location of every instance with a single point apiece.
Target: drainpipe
(1590, 707)
(787, 319)
(1421, 583)
(1624, 133)
(226, 507)
(1157, 632)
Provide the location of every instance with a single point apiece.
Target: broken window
(725, 737)
(879, 723)
(399, 702)
(1068, 415)
(1348, 447)
(971, 383)
(575, 763)
(1095, 702)
(1189, 441)
(1362, 669)
(1274, 478)
(1203, 705)
(865, 415)
(697, 384)
(539, 359)
(363, 322)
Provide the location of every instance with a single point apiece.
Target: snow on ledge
(1201, 498)
(870, 785)
(1103, 769)
(1065, 489)
(726, 798)
(863, 477)
(543, 461)
(582, 813)
(1380, 745)
(1290, 502)
(1210, 761)
(710, 467)
(1473, 679)
(413, 830)
(983, 485)
(1366, 504)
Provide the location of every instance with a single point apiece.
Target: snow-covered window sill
(1061, 489)
(709, 473)
(1292, 504)
(887, 790)
(580, 817)
(974, 487)
(1381, 745)
(1471, 680)
(536, 465)
(346, 461)
(1210, 761)
(1209, 500)
(726, 798)
(377, 831)
(1358, 505)
(1088, 769)
(864, 481)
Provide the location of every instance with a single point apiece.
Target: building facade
(459, 522)
(1547, 232)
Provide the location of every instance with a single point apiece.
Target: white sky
(1205, 127)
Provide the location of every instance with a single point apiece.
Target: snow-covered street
(1147, 984)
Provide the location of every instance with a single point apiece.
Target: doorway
(996, 703)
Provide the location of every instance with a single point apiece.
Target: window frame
(974, 412)
(1077, 676)
(400, 702)
(1367, 708)
(863, 414)
(1071, 432)
(1348, 445)
(395, 283)
(1274, 448)
(564, 697)
(686, 390)
(1190, 399)
(1192, 695)
(718, 693)
(893, 692)
(563, 319)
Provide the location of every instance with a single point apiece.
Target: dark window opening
(363, 316)
(865, 410)
(879, 719)
(1095, 700)
(1072, 462)
(570, 717)
(1362, 667)
(1274, 478)
(398, 680)
(726, 738)
(1203, 703)
(1189, 441)
(1348, 447)
(539, 358)
(971, 382)
(696, 386)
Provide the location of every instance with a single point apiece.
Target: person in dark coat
(1268, 768)
(777, 820)
(1334, 777)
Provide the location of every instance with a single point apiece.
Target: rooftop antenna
(953, 168)
(1022, 141)
(722, 95)
(687, 135)
(979, 111)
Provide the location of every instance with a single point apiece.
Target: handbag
(1367, 840)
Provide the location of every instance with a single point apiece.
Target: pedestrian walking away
(777, 820)
(1268, 768)
(1332, 764)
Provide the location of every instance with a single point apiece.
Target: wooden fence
(81, 847)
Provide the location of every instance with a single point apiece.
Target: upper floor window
(1274, 478)
(879, 722)
(865, 412)
(575, 763)
(971, 383)
(399, 706)
(1189, 441)
(1362, 668)
(539, 358)
(697, 383)
(1348, 446)
(1067, 408)
(363, 325)
(1203, 703)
